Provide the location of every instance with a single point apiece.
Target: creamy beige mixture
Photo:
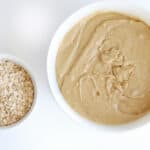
(103, 68)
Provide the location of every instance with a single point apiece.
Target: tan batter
(103, 68)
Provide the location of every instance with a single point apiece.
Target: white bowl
(134, 9)
(26, 67)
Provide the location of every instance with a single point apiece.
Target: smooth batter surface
(103, 68)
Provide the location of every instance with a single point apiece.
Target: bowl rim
(132, 9)
(25, 66)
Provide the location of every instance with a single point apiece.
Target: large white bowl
(135, 9)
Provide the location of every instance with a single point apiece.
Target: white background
(26, 29)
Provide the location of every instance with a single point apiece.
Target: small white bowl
(21, 63)
(133, 9)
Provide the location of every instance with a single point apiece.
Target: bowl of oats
(17, 91)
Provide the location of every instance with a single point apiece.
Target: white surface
(26, 29)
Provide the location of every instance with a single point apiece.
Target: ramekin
(24, 65)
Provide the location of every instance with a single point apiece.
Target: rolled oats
(16, 92)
